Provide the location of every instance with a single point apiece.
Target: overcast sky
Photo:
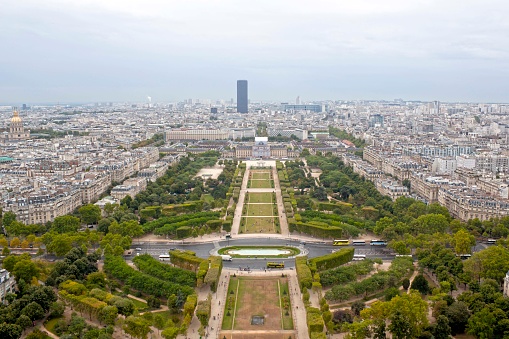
(109, 50)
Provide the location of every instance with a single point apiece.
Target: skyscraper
(242, 96)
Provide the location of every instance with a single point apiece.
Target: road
(203, 249)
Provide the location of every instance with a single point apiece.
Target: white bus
(491, 241)
(357, 257)
(164, 257)
(359, 242)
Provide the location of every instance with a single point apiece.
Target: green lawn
(207, 198)
(259, 198)
(140, 306)
(261, 175)
(263, 183)
(263, 210)
(285, 301)
(229, 306)
(50, 324)
(258, 225)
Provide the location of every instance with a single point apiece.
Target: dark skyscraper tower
(242, 96)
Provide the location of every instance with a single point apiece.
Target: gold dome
(16, 117)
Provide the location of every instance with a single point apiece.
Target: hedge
(183, 232)
(347, 273)
(191, 206)
(203, 311)
(190, 304)
(147, 264)
(214, 272)
(151, 212)
(227, 225)
(324, 206)
(214, 224)
(120, 270)
(152, 225)
(314, 320)
(333, 260)
(400, 268)
(185, 259)
(318, 335)
(202, 272)
(319, 231)
(303, 273)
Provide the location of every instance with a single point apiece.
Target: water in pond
(259, 251)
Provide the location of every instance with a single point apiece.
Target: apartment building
(7, 284)
(129, 187)
(467, 203)
(196, 134)
(390, 188)
(43, 205)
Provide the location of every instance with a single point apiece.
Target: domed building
(17, 131)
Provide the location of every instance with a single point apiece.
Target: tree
(320, 194)
(463, 242)
(153, 302)
(8, 219)
(490, 263)
(482, 324)
(170, 332)
(136, 327)
(405, 284)
(26, 270)
(57, 309)
(33, 311)
(399, 247)
(10, 331)
(66, 224)
(90, 213)
(60, 245)
(158, 321)
(24, 322)
(457, 314)
(420, 284)
(357, 307)
(77, 325)
(430, 224)
(442, 329)
(400, 326)
(108, 315)
(15, 242)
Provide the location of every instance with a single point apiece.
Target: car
(138, 249)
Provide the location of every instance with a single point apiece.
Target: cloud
(183, 46)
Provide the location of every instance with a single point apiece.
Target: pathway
(283, 222)
(218, 302)
(298, 309)
(240, 204)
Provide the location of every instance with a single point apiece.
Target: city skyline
(122, 51)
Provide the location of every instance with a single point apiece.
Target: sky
(124, 50)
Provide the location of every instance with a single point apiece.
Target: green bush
(185, 259)
(214, 272)
(303, 273)
(333, 260)
(314, 320)
(119, 269)
(147, 264)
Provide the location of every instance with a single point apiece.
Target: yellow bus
(275, 265)
(341, 242)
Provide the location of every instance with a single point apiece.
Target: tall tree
(90, 213)
(463, 242)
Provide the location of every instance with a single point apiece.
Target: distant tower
(297, 101)
(17, 131)
(242, 96)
